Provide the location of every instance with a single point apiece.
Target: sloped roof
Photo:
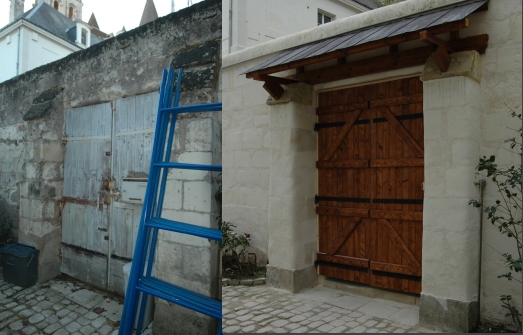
(49, 19)
(370, 34)
(149, 13)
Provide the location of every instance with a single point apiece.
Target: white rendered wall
(8, 52)
(247, 138)
(37, 50)
(258, 21)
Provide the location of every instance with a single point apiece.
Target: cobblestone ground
(58, 307)
(261, 309)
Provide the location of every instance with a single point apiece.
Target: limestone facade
(269, 183)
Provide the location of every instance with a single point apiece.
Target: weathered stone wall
(451, 158)
(31, 148)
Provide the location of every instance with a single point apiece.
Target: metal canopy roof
(407, 25)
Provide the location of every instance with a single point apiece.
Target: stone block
(186, 322)
(199, 135)
(447, 314)
(464, 122)
(433, 124)
(242, 159)
(197, 196)
(465, 153)
(459, 183)
(53, 151)
(252, 138)
(257, 198)
(232, 140)
(261, 159)
(291, 280)
(248, 177)
(462, 64)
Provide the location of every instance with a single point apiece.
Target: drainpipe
(18, 54)
(481, 185)
(230, 26)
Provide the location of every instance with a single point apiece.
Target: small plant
(505, 214)
(233, 244)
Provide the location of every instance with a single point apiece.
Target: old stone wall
(32, 122)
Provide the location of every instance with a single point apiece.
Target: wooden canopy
(423, 27)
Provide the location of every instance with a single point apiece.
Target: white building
(247, 23)
(42, 35)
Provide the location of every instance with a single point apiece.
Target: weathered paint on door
(370, 172)
(91, 217)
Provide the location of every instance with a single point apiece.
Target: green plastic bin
(20, 264)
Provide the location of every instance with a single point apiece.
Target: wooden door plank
(394, 101)
(351, 212)
(344, 108)
(393, 235)
(398, 162)
(343, 133)
(396, 215)
(393, 268)
(405, 135)
(352, 261)
(340, 240)
(343, 164)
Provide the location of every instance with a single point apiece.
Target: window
(323, 18)
(84, 36)
(71, 13)
(55, 5)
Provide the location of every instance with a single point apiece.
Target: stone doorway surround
(449, 297)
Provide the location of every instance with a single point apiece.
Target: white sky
(111, 15)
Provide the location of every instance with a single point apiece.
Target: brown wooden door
(370, 192)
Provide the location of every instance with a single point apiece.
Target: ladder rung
(185, 228)
(214, 107)
(186, 166)
(181, 296)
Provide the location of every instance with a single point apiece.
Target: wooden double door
(370, 194)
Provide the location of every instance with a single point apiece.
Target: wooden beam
(396, 268)
(353, 261)
(442, 58)
(352, 212)
(393, 48)
(454, 35)
(275, 90)
(407, 37)
(341, 60)
(428, 38)
(362, 67)
(272, 79)
(343, 164)
(387, 62)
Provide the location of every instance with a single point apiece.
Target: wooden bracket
(275, 90)
(429, 38)
(442, 58)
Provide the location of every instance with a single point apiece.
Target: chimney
(16, 9)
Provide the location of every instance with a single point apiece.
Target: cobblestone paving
(57, 307)
(261, 309)
(41, 309)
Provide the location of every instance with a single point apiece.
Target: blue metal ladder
(141, 283)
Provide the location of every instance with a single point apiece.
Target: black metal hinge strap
(322, 198)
